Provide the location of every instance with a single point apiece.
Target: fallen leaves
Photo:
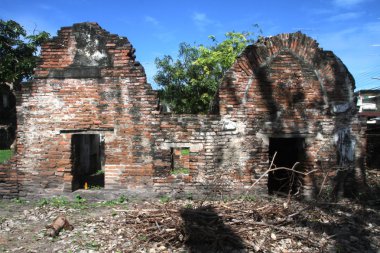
(264, 225)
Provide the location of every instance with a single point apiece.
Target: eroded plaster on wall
(89, 82)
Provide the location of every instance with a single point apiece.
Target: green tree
(189, 83)
(18, 51)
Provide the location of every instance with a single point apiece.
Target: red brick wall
(9, 180)
(89, 83)
(286, 86)
(72, 94)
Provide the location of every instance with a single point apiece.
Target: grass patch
(5, 155)
(60, 201)
(93, 245)
(185, 151)
(79, 202)
(165, 199)
(179, 171)
(99, 172)
(122, 199)
(18, 201)
(249, 198)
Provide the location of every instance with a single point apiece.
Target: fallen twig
(279, 168)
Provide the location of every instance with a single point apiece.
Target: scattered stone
(58, 224)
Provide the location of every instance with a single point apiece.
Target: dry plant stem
(229, 220)
(290, 187)
(279, 168)
(295, 234)
(300, 211)
(143, 211)
(323, 184)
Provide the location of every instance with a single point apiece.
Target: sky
(349, 28)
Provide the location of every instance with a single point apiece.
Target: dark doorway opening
(87, 157)
(8, 118)
(373, 146)
(289, 151)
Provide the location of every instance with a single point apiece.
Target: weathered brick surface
(89, 82)
(9, 180)
(286, 86)
(218, 159)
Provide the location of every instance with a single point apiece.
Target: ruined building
(90, 118)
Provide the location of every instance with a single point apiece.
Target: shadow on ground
(348, 228)
(205, 231)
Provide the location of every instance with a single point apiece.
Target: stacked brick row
(86, 87)
(89, 83)
(216, 156)
(9, 180)
(286, 86)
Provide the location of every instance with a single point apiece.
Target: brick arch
(335, 81)
(293, 82)
(299, 44)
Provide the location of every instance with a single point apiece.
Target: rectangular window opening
(180, 160)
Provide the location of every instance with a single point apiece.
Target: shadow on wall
(205, 231)
(282, 105)
(347, 182)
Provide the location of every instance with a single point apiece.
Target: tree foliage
(189, 83)
(18, 51)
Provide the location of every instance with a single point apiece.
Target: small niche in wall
(180, 160)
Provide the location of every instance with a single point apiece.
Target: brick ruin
(90, 118)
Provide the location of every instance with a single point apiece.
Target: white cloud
(200, 17)
(202, 21)
(45, 7)
(348, 3)
(165, 36)
(375, 45)
(373, 27)
(303, 29)
(346, 16)
(160, 31)
(151, 20)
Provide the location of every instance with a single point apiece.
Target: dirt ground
(248, 224)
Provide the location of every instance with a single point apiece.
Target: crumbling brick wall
(89, 83)
(287, 87)
(9, 180)
(216, 157)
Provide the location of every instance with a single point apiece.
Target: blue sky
(350, 28)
